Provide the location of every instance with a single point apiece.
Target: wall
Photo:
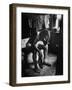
(4, 45)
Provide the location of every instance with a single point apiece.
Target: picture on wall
(39, 44)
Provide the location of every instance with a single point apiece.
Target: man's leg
(35, 61)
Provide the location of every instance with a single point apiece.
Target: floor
(48, 69)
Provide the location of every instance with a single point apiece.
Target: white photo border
(39, 79)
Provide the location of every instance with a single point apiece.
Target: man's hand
(28, 44)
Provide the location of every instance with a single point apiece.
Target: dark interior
(55, 41)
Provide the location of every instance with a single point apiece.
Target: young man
(41, 44)
(38, 42)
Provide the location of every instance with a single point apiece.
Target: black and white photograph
(40, 44)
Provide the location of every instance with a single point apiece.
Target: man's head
(44, 36)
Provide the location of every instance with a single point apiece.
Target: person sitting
(41, 43)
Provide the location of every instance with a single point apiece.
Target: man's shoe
(37, 70)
